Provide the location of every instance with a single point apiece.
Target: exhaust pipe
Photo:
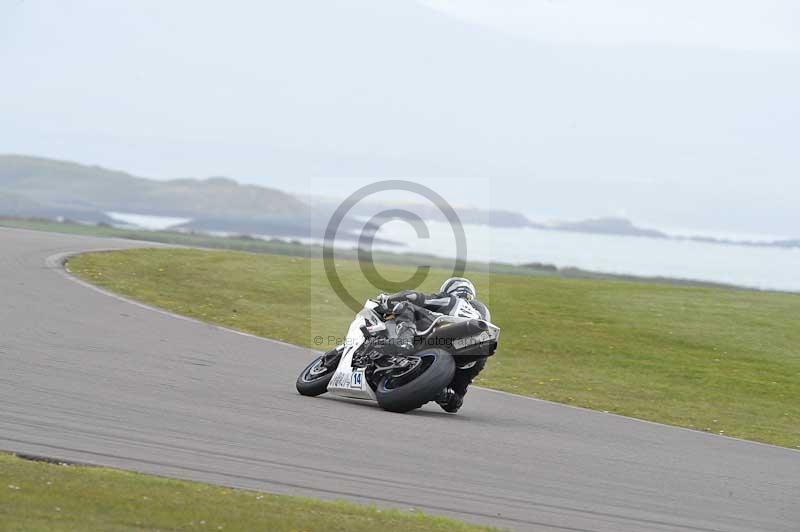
(448, 333)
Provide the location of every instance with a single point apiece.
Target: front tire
(313, 380)
(403, 395)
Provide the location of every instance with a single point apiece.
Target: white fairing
(348, 382)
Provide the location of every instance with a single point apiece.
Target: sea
(762, 268)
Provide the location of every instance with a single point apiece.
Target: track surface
(92, 378)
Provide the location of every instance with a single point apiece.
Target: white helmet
(458, 286)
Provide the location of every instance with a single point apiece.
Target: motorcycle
(369, 366)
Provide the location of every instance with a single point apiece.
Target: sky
(680, 114)
(750, 25)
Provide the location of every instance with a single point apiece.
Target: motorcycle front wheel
(314, 379)
(408, 390)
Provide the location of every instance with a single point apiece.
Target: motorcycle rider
(411, 310)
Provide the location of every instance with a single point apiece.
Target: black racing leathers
(416, 311)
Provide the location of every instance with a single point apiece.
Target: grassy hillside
(36, 496)
(71, 186)
(718, 360)
(12, 204)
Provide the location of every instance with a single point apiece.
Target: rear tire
(438, 373)
(314, 379)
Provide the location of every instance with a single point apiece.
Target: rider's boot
(450, 400)
(406, 332)
(406, 329)
(452, 397)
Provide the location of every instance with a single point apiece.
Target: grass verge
(37, 496)
(718, 360)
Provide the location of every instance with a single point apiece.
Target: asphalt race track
(92, 378)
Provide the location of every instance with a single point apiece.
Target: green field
(37, 496)
(718, 360)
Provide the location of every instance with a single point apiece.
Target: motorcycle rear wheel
(409, 392)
